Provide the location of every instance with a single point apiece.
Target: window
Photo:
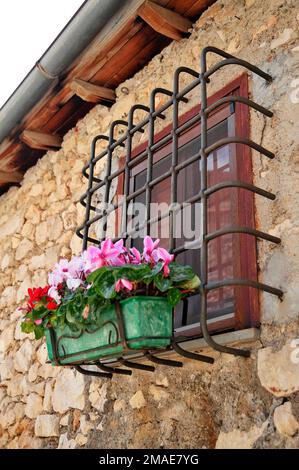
(187, 164)
(229, 307)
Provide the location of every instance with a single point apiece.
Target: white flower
(53, 292)
(66, 270)
(73, 283)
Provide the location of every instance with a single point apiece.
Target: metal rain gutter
(87, 22)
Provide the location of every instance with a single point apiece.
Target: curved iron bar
(108, 322)
(235, 61)
(134, 128)
(93, 160)
(204, 152)
(245, 282)
(179, 94)
(238, 99)
(93, 208)
(136, 365)
(66, 337)
(113, 370)
(239, 184)
(191, 355)
(89, 239)
(112, 143)
(80, 369)
(89, 195)
(102, 154)
(246, 230)
(203, 313)
(184, 69)
(100, 137)
(239, 140)
(161, 361)
(230, 60)
(213, 344)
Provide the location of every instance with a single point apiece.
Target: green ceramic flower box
(148, 324)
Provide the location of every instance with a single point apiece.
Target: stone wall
(234, 403)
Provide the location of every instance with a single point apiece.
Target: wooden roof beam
(92, 93)
(41, 140)
(164, 21)
(12, 177)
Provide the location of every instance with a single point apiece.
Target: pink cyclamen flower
(90, 259)
(166, 257)
(119, 245)
(135, 256)
(38, 321)
(94, 257)
(120, 258)
(123, 284)
(149, 250)
(109, 250)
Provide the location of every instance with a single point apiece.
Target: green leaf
(95, 275)
(39, 313)
(70, 317)
(61, 322)
(39, 332)
(97, 303)
(193, 284)
(27, 327)
(162, 283)
(148, 278)
(60, 311)
(79, 302)
(180, 273)
(106, 287)
(54, 323)
(69, 296)
(132, 272)
(174, 296)
(90, 293)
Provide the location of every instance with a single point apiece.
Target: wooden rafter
(40, 140)
(92, 93)
(164, 21)
(12, 177)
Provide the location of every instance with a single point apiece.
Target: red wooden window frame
(246, 298)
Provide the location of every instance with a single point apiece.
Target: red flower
(51, 305)
(36, 294)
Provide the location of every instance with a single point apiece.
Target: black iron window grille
(94, 214)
